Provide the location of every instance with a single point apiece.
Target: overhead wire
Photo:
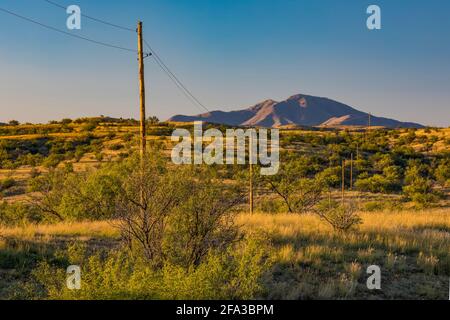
(174, 78)
(184, 90)
(93, 18)
(105, 44)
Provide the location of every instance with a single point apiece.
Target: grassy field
(311, 260)
(400, 184)
(412, 249)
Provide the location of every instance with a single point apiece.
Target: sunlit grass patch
(310, 260)
(87, 229)
(315, 262)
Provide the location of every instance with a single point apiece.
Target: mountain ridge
(299, 109)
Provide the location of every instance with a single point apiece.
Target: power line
(186, 92)
(176, 83)
(93, 18)
(67, 33)
(174, 78)
(158, 60)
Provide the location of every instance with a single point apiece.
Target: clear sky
(231, 54)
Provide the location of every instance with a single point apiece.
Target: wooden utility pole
(357, 151)
(351, 172)
(343, 181)
(142, 131)
(141, 89)
(250, 156)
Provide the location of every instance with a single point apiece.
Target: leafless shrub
(147, 198)
(299, 192)
(204, 221)
(299, 196)
(177, 214)
(341, 216)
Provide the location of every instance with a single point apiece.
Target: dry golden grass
(38, 136)
(285, 225)
(20, 173)
(411, 247)
(396, 232)
(311, 260)
(291, 224)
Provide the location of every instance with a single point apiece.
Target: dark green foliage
(419, 186)
(331, 177)
(66, 195)
(442, 172)
(116, 146)
(19, 214)
(7, 183)
(203, 221)
(44, 151)
(387, 182)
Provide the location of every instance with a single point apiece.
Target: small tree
(153, 120)
(419, 187)
(442, 173)
(341, 216)
(204, 221)
(145, 202)
(330, 176)
(420, 191)
(47, 192)
(89, 126)
(299, 194)
(177, 215)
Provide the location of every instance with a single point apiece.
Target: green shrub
(331, 176)
(53, 160)
(270, 206)
(420, 191)
(203, 221)
(377, 184)
(66, 121)
(89, 126)
(7, 183)
(19, 214)
(391, 205)
(99, 156)
(68, 195)
(373, 206)
(342, 217)
(119, 274)
(293, 186)
(442, 173)
(116, 146)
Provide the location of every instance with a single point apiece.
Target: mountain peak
(298, 109)
(263, 104)
(297, 96)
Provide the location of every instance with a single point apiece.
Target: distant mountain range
(300, 110)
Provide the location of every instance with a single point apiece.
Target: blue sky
(231, 54)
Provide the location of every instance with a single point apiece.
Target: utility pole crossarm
(141, 90)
